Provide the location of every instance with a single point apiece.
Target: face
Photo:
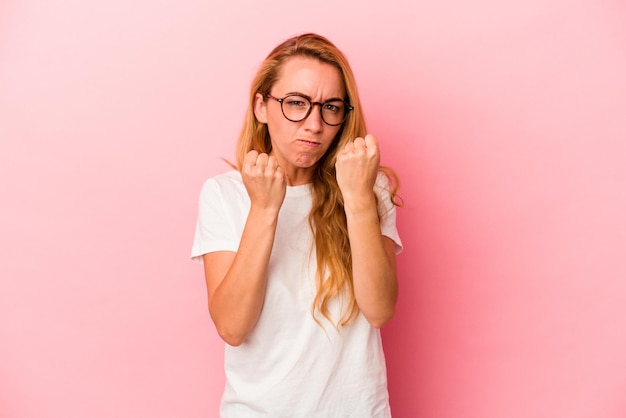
(298, 146)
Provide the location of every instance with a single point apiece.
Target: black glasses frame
(281, 100)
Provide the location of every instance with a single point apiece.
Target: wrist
(260, 213)
(360, 204)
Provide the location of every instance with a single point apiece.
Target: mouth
(308, 143)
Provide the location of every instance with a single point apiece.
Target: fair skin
(236, 281)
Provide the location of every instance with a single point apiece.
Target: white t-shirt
(289, 366)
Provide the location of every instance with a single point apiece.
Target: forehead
(312, 77)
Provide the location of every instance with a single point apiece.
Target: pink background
(505, 120)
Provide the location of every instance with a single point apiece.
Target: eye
(333, 107)
(295, 101)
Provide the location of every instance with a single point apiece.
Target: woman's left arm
(373, 255)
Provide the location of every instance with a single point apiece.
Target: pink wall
(507, 124)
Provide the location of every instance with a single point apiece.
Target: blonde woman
(299, 245)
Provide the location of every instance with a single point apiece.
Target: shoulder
(382, 181)
(384, 190)
(383, 186)
(228, 182)
(227, 188)
(230, 178)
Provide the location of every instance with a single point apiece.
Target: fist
(357, 167)
(264, 180)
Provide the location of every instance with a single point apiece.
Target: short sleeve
(215, 226)
(387, 210)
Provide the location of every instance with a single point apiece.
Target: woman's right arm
(236, 281)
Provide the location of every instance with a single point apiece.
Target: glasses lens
(296, 108)
(334, 112)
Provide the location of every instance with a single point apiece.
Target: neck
(300, 176)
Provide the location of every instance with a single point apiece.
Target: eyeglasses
(296, 108)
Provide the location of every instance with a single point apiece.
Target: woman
(299, 245)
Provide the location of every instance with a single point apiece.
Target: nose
(314, 121)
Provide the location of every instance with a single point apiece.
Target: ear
(260, 108)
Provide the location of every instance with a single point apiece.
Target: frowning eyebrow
(297, 93)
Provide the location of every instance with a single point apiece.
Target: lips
(308, 142)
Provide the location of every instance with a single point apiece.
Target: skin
(298, 146)
(236, 281)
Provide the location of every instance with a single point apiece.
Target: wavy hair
(327, 217)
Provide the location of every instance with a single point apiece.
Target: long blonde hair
(327, 217)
